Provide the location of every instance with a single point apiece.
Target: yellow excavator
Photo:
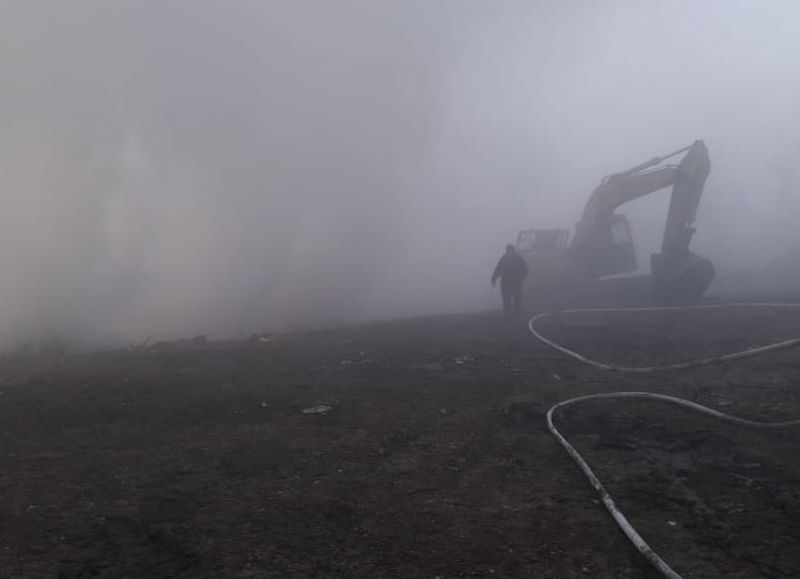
(586, 270)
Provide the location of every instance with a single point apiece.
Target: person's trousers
(512, 297)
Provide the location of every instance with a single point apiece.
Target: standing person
(511, 270)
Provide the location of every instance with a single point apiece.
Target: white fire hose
(635, 538)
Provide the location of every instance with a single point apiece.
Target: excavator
(588, 269)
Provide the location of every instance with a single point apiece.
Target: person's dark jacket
(511, 270)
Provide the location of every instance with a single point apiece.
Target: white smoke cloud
(193, 166)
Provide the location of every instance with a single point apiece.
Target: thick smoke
(195, 166)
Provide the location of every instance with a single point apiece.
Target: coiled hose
(634, 537)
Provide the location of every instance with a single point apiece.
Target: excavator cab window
(533, 239)
(617, 254)
(621, 232)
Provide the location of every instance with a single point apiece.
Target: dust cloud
(196, 166)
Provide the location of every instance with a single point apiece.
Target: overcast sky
(194, 166)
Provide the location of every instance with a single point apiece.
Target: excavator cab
(613, 251)
(542, 239)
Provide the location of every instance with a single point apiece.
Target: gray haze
(194, 166)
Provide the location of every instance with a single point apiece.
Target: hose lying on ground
(635, 538)
(680, 366)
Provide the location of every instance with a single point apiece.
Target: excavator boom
(615, 190)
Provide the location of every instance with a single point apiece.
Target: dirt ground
(194, 459)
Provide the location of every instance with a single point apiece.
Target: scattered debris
(358, 358)
(197, 343)
(354, 362)
(428, 367)
(523, 407)
(318, 409)
(143, 345)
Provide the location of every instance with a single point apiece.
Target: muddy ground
(194, 459)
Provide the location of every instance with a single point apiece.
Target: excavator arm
(688, 188)
(680, 275)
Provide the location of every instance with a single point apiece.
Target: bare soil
(195, 459)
